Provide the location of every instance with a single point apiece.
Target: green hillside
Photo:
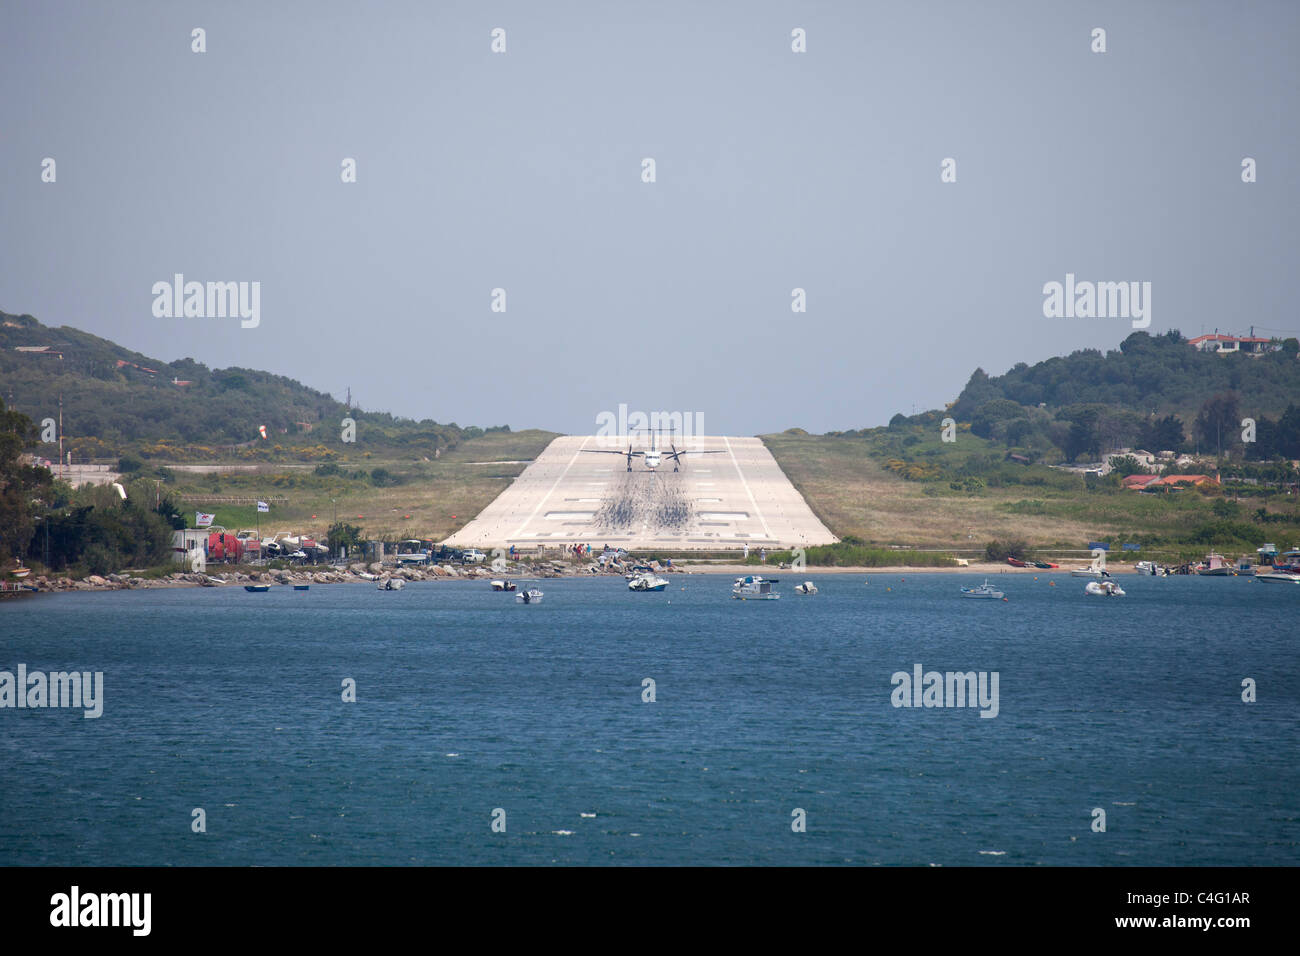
(118, 402)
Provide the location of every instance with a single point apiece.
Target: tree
(20, 483)
(1218, 421)
(342, 536)
(1163, 434)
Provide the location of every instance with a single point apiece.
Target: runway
(734, 496)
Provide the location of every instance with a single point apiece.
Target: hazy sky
(522, 171)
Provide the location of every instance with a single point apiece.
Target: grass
(433, 500)
(850, 488)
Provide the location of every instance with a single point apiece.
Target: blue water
(467, 702)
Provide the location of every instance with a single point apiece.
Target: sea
(605, 727)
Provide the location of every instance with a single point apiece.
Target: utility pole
(60, 436)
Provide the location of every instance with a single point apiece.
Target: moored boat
(301, 587)
(806, 588)
(985, 591)
(531, 596)
(1278, 577)
(1215, 566)
(390, 584)
(647, 581)
(503, 585)
(751, 587)
(257, 588)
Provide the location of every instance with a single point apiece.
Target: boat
(257, 588)
(1094, 570)
(985, 591)
(751, 587)
(503, 585)
(12, 589)
(1278, 577)
(1044, 565)
(1146, 567)
(1215, 566)
(806, 588)
(20, 572)
(647, 581)
(1017, 563)
(301, 587)
(390, 584)
(1244, 567)
(1103, 589)
(531, 596)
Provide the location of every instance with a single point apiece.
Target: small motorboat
(301, 587)
(257, 588)
(647, 581)
(1092, 571)
(503, 585)
(390, 584)
(1277, 577)
(531, 596)
(751, 587)
(1044, 565)
(1017, 563)
(806, 588)
(1103, 589)
(985, 591)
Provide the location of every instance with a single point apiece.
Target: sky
(522, 170)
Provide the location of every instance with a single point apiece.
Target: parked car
(473, 556)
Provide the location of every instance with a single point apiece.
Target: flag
(203, 521)
(263, 506)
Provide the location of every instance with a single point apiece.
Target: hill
(119, 402)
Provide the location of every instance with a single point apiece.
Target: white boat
(985, 590)
(531, 596)
(806, 588)
(390, 584)
(1092, 571)
(1278, 577)
(751, 587)
(1103, 589)
(1215, 566)
(647, 581)
(503, 585)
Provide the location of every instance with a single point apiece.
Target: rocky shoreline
(352, 574)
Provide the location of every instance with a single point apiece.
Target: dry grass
(854, 495)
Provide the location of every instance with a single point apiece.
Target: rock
(96, 581)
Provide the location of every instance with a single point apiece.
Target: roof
(1225, 338)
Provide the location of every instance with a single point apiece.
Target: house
(1138, 482)
(1224, 344)
(1174, 482)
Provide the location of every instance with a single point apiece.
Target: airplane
(654, 455)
